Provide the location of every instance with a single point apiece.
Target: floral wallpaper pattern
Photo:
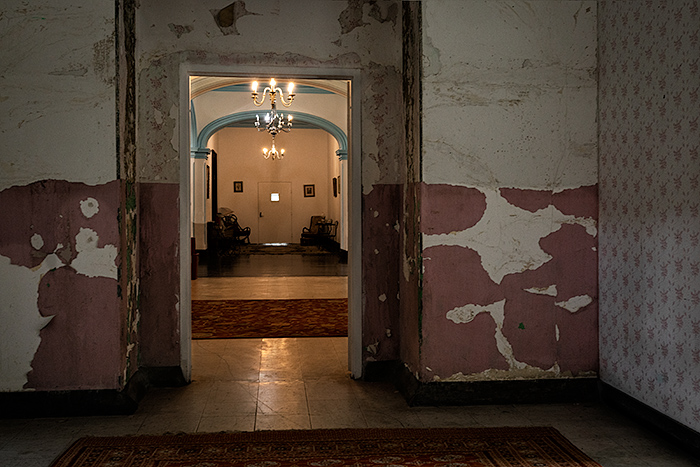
(650, 202)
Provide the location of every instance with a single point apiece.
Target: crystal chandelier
(274, 122)
(273, 153)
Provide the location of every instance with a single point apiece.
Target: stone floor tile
(219, 423)
(292, 421)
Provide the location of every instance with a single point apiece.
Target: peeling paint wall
(159, 275)
(58, 264)
(345, 35)
(649, 203)
(410, 274)
(509, 201)
(60, 246)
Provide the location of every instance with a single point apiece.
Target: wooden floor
(271, 265)
(266, 287)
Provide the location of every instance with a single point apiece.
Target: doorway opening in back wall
(272, 236)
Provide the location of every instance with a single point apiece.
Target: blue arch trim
(193, 124)
(312, 120)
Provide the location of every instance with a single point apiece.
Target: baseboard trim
(538, 391)
(164, 376)
(33, 404)
(675, 432)
(74, 403)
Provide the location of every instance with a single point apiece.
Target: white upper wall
(509, 97)
(57, 94)
(308, 37)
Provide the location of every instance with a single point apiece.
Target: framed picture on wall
(335, 187)
(238, 187)
(309, 191)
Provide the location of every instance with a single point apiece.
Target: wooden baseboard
(677, 433)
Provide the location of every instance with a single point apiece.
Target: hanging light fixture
(274, 122)
(273, 153)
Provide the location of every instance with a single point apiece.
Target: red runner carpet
(227, 319)
(438, 447)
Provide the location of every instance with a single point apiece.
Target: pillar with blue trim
(198, 203)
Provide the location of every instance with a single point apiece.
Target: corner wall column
(343, 193)
(198, 175)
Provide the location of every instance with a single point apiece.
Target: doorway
(275, 212)
(348, 181)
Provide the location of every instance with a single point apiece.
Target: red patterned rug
(227, 319)
(438, 447)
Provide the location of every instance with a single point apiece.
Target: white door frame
(355, 310)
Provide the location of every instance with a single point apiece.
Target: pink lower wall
(534, 337)
(159, 214)
(69, 231)
(380, 263)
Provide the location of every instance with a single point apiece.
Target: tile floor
(274, 384)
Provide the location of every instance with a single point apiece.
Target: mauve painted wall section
(649, 204)
(159, 271)
(61, 312)
(509, 199)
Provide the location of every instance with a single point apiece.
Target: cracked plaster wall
(62, 314)
(57, 94)
(509, 201)
(337, 35)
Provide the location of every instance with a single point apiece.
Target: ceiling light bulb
(290, 88)
(273, 83)
(255, 86)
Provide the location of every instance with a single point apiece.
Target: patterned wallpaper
(650, 202)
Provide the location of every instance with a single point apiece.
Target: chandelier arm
(255, 99)
(288, 102)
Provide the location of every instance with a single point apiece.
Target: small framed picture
(335, 187)
(238, 187)
(309, 191)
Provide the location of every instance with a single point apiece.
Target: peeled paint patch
(582, 201)
(91, 260)
(495, 374)
(575, 303)
(551, 290)
(467, 313)
(21, 320)
(89, 207)
(507, 237)
(175, 140)
(36, 241)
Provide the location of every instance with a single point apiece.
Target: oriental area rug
(228, 319)
(438, 447)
